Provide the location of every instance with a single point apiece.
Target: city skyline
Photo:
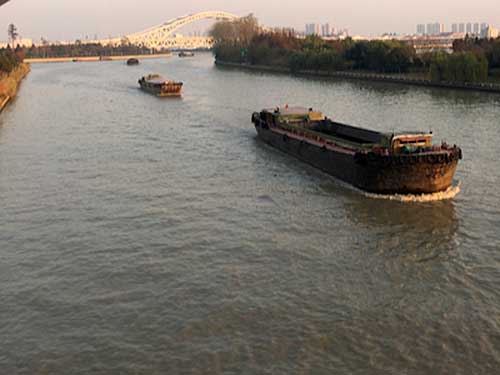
(435, 28)
(61, 20)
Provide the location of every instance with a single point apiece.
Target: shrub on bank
(8, 60)
(459, 67)
(327, 60)
(229, 52)
(10, 82)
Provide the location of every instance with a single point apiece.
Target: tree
(232, 39)
(241, 30)
(313, 43)
(493, 54)
(400, 58)
(222, 32)
(247, 27)
(13, 34)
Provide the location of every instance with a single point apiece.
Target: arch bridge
(163, 36)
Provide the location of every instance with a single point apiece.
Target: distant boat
(132, 61)
(186, 54)
(105, 58)
(160, 86)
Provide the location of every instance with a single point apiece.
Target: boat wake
(450, 193)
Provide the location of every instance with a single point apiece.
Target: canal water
(149, 236)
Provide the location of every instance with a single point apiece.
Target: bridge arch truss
(163, 36)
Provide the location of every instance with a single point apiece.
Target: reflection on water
(464, 97)
(144, 236)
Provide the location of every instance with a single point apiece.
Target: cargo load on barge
(160, 86)
(377, 162)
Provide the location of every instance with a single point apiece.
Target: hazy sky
(71, 19)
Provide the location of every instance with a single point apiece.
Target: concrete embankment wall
(9, 83)
(396, 78)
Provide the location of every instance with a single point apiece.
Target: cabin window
(413, 141)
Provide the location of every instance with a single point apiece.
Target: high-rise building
(312, 29)
(461, 28)
(476, 28)
(432, 28)
(484, 26)
(468, 29)
(421, 29)
(429, 29)
(325, 30)
(454, 28)
(309, 28)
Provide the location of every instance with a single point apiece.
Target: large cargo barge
(160, 86)
(377, 162)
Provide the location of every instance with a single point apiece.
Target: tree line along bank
(243, 41)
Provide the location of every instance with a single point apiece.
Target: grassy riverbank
(9, 83)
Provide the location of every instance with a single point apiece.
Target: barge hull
(405, 174)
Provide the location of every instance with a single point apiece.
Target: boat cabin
(410, 141)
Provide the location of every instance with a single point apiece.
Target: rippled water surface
(148, 236)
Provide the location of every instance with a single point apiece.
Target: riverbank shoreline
(374, 77)
(94, 58)
(9, 84)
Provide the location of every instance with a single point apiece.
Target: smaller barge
(377, 162)
(160, 86)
